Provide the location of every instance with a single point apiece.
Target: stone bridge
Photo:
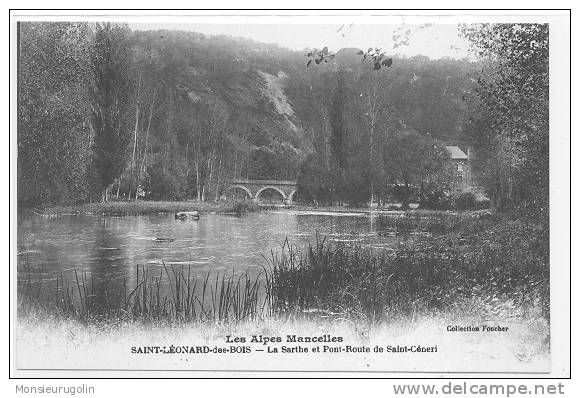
(254, 188)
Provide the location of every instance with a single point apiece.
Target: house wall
(463, 174)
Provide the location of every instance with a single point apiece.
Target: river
(109, 249)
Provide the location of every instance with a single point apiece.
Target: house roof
(456, 153)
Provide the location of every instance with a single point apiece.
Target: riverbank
(123, 208)
(141, 208)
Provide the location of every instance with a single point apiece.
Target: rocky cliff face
(277, 105)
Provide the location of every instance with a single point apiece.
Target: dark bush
(354, 189)
(398, 192)
(243, 207)
(436, 200)
(464, 201)
(163, 186)
(469, 201)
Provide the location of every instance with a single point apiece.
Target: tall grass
(355, 282)
(218, 297)
(505, 265)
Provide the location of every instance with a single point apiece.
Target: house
(461, 164)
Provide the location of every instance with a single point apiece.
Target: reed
(217, 297)
(505, 264)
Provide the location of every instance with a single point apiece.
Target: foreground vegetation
(481, 272)
(502, 266)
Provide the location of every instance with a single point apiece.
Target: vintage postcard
(354, 191)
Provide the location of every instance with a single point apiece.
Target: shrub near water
(242, 207)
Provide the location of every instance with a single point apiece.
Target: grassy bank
(122, 208)
(141, 207)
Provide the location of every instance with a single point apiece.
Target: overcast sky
(434, 41)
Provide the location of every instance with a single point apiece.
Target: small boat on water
(183, 215)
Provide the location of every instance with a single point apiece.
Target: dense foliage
(53, 109)
(509, 115)
(368, 120)
(412, 159)
(110, 96)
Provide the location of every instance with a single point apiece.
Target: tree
(337, 114)
(147, 62)
(415, 161)
(509, 115)
(53, 134)
(379, 111)
(111, 101)
(209, 123)
(316, 182)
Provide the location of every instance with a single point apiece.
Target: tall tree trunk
(187, 161)
(169, 129)
(198, 188)
(217, 185)
(137, 112)
(210, 162)
(144, 162)
(373, 108)
(134, 150)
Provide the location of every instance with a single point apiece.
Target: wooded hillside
(187, 113)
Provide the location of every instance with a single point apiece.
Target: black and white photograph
(286, 192)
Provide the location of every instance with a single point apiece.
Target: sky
(434, 41)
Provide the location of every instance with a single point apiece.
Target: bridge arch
(290, 196)
(257, 197)
(243, 188)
